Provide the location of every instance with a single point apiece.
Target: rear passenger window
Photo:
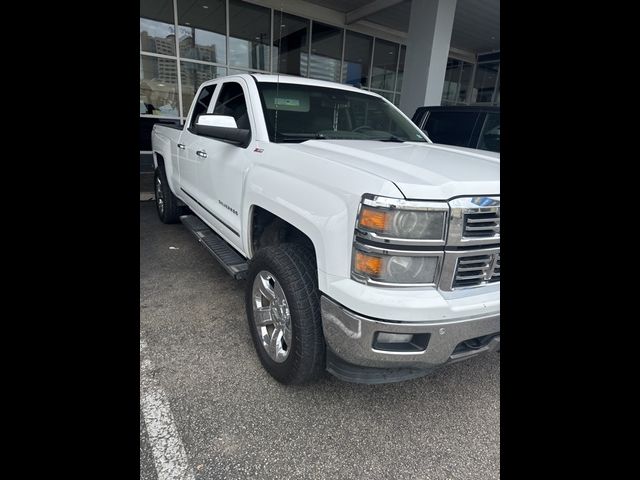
(451, 128)
(231, 102)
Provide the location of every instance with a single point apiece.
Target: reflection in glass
(158, 86)
(326, 52)
(451, 81)
(396, 101)
(193, 75)
(290, 44)
(202, 30)
(387, 95)
(457, 80)
(403, 52)
(249, 35)
(485, 82)
(156, 27)
(357, 59)
(465, 82)
(385, 61)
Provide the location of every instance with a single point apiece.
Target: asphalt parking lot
(209, 410)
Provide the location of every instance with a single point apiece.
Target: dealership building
(412, 52)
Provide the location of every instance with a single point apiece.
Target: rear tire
(282, 294)
(166, 202)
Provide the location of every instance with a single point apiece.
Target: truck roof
(292, 79)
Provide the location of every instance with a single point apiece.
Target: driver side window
(231, 102)
(202, 104)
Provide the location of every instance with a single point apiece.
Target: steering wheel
(362, 127)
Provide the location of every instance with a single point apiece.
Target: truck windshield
(308, 112)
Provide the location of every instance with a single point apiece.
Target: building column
(428, 43)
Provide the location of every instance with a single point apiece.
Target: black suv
(472, 126)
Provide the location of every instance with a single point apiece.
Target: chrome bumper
(351, 337)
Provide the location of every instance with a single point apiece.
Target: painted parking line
(169, 454)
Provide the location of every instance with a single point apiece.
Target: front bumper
(350, 340)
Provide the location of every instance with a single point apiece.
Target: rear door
(190, 164)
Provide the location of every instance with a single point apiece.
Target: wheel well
(159, 159)
(268, 229)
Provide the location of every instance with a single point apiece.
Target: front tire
(166, 202)
(283, 311)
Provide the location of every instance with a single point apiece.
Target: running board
(231, 261)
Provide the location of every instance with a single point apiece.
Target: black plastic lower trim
(349, 372)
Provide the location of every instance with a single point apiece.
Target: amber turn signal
(373, 219)
(367, 264)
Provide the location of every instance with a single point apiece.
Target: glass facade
(225, 37)
(467, 83)
(199, 40)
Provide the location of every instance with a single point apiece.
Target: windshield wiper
(299, 137)
(392, 138)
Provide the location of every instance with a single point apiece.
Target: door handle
(181, 146)
(201, 153)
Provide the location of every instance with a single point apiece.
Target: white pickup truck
(368, 251)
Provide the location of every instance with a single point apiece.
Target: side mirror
(222, 127)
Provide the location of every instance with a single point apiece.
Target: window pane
(202, 105)
(396, 101)
(326, 52)
(231, 102)
(489, 57)
(156, 27)
(237, 71)
(202, 29)
(490, 135)
(357, 59)
(193, 75)
(290, 42)
(485, 81)
(385, 61)
(387, 95)
(403, 51)
(307, 112)
(451, 80)
(465, 82)
(451, 128)
(158, 86)
(249, 35)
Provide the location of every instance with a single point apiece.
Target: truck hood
(419, 170)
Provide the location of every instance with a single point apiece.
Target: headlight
(403, 220)
(388, 236)
(395, 267)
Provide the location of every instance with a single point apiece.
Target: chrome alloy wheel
(272, 316)
(159, 195)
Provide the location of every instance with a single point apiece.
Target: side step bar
(232, 261)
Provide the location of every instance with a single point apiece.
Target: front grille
(477, 270)
(481, 224)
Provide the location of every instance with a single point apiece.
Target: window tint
(451, 128)
(231, 102)
(490, 135)
(204, 99)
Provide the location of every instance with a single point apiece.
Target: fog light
(400, 342)
(394, 337)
